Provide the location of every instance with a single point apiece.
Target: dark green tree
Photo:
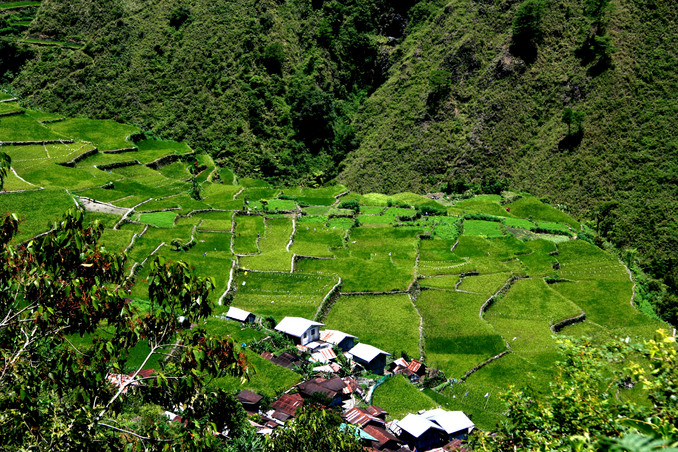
(314, 430)
(573, 118)
(527, 28)
(66, 331)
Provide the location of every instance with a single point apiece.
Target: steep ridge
(421, 96)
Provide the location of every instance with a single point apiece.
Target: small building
(455, 423)
(361, 418)
(302, 331)
(433, 428)
(371, 358)
(420, 433)
(334, 389)
(383, 439)
(324, 355)
(342, 340)
(286, 406)
(240, 315)
(249, 400)
(413, 370)
(377, 411)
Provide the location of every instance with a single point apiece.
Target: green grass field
(281, 294)
(388, 322)
(247, 231)
(104, 134)
(457, 338)
(273, 245)
(460, 263)
(399, 397)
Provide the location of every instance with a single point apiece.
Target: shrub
(352, 204)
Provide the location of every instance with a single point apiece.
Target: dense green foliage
(584, 409)
(67, 331)
(271, 87)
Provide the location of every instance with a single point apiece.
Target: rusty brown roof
(249, 397)
(381, 435)
(288, 404)
(377, 411)
(414, 365)
(361, 417)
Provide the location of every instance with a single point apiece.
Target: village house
(240, 315)
(433, 428)
(336, 389)
(286, 407)
(413, 370)
(383, 440)
(342, 340)
(301, 331)
(250, 401)
(370, 358)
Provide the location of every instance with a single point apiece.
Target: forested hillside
(573, 100)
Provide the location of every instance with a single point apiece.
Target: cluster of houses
(426, 430)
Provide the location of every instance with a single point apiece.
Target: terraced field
(494, 277)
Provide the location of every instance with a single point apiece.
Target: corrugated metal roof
(450, 421)
(416, 425)
(381, 435)
(334, 336)
(249, 397)
(361, 417)
(288, 404)
(366, 352)
(237, 314)
(323, 356)
(375, 410)
(329, 368)
(414, 365)
(296, 326)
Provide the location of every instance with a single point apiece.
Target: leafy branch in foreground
(66, 338)
(585, 408)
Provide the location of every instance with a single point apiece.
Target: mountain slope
(395, 96)
(496, 116)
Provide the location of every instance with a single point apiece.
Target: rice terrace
(479, 288)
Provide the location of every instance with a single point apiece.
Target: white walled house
(300, 330)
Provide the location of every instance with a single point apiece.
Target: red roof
(361, 417)
(414, 365)
(381, 434)
(288, 404)
(377, 411)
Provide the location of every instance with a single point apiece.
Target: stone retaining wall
(32, 143)
(71, 163)
(13, 113)
(120, 151)
(556, 327)
(109, 166)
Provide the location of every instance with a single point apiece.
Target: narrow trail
(231, 275)
(22, 179)
(294, 231)
(422, 355)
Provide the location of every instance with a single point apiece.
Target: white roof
(334, 336)
(237, 314)
(296, 326)
(416, 425)
(450, 421)
(400, 362)
(366, 352)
